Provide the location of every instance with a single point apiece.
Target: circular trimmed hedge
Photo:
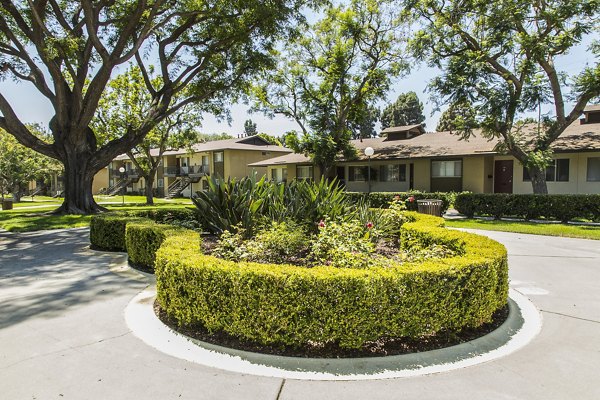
(293, 305)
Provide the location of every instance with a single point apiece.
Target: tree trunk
(538, 180)
(17, 192)
(149, 187)
(78, 178)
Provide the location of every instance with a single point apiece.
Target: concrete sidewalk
(63, 335)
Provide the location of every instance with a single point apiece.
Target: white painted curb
(144, 324)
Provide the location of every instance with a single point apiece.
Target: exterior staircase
(117, 187)
(177, 187)
(36, 191)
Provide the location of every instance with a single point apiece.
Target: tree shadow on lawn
(46, 274)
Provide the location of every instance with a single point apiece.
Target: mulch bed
(380, 348)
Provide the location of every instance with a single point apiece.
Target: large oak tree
(69, 50)
(500, 56)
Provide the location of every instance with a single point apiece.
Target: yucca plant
(231, 203)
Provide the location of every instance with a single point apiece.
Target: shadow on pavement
(46, 273)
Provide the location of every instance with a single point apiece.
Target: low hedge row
(291, 305)
(107, 231)
(140, 237)
(562, 207)
(143, 239)
(383, 199)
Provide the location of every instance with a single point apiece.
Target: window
(393, 173)
(593, 169)
(357, 174)
(557, 171)
(161, 183)
(205, 160)
(361, 174)
(279, 174)
(218, 156)
(446, 169)
(304, 172)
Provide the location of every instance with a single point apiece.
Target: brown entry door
(503, 176)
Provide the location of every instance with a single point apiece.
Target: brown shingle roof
(227, 144)
(576, 137)
(592, 107)
(404, 128)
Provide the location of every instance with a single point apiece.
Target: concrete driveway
(63, 334)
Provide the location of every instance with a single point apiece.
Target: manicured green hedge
(143, 240)
(383, 199)
(107, 231)
(140, 237)
(291, 305)
(561, 207)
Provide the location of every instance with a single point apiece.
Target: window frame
(587, 169)
(556, 171)
(311, 172)
(384, 176)
(454, 161)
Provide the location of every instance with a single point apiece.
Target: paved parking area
(63, 333)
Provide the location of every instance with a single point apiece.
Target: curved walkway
(63, 333)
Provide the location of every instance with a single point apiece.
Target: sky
(32, 107)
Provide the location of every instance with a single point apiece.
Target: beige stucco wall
(422, 178)
(100, 180)
(473, 171)
(577, 176)
(236, 162)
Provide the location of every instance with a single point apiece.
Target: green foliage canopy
(329, 78)
(406, 110)
(20, 165)
(500, 57)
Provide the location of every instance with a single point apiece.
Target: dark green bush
(143, 240)
(167, 215)
(284, 304)
(107, 231)
(383, 199)
(561, 207)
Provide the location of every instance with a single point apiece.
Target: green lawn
(23, 220)
(37, 201)
(574, 231)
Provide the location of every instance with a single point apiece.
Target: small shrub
(185, 217)
(343, 245)
(107, 231)
(143, 240)
(282, 242)
(562, 207)
(383, 199)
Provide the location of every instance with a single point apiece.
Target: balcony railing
(185, 171)
(199, 170)
(130, 173)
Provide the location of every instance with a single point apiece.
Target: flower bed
(292, 305)
(347, 295)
